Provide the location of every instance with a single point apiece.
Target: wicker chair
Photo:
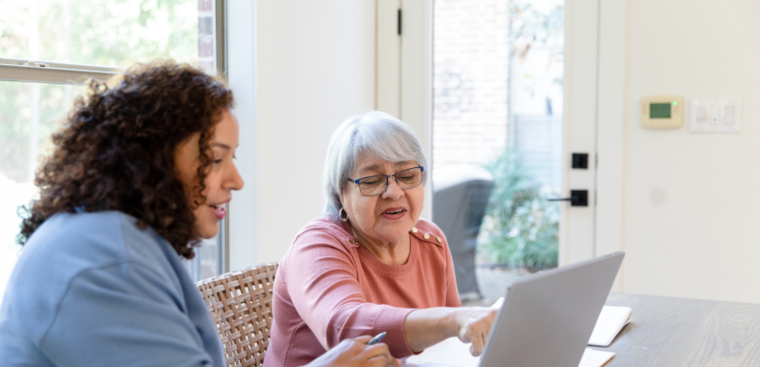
(240, 303)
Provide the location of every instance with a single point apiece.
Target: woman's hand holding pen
(357, 352)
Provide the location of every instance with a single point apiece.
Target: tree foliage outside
(114, 33)
(16, 112)
(538, 26)
(520, 229)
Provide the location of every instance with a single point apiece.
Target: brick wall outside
(206, 37)
(470, 81)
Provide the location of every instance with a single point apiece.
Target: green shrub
(520, 228)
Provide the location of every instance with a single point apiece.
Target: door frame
(594, 122)
(611, 132)
(404, 72)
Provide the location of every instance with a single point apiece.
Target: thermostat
(662, 112)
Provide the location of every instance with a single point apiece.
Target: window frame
(37, 71)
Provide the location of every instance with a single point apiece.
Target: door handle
(577, 198)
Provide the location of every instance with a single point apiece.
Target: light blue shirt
(93, 289)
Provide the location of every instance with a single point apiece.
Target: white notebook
(610, 322)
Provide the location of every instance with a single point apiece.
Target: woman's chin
(208, 230)
(394, 233)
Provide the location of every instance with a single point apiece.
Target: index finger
(478, 343)
(364, 339)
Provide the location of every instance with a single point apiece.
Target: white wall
(316, 66)
(692, 201)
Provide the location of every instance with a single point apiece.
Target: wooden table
(674, 332)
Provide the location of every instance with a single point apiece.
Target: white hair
(374, 134)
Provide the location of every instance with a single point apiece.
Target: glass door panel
(497, 138)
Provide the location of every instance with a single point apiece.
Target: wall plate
(711, 115)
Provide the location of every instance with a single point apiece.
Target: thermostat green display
(659, 110)
(662, 112)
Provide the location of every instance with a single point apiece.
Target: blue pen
(377, 339)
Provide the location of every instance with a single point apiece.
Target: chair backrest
(240, 302)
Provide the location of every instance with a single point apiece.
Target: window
(49, 47)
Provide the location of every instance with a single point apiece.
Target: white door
(577, 229)
(592, 103)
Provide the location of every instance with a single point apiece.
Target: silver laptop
(547, 318)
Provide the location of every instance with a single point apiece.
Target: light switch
(729, 113)
(701, 113)
(715, 115)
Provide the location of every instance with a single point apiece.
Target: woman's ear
(340, 197)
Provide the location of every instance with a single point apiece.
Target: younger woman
(139, 173)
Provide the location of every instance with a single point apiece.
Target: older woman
(370, 265)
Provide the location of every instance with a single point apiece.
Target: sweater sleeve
(322, 282)
(122, 315)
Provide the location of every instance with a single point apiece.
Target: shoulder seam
(66, 293)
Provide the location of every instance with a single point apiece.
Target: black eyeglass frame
(387, 178)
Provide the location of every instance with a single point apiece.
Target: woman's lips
(219, 211)
(394, 213)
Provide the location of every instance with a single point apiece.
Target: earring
(342, 218)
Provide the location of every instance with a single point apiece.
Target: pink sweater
(330, 288)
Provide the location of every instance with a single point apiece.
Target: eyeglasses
(376, 185)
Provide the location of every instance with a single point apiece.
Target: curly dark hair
(116, 150)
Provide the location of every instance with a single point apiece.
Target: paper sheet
(595, 358)
(452, 352)
(499, 302)
(611, 320)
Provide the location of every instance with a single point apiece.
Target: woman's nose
(392, 191)
(234, 180)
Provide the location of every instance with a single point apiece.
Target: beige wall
(316, 66)
(692, 201)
